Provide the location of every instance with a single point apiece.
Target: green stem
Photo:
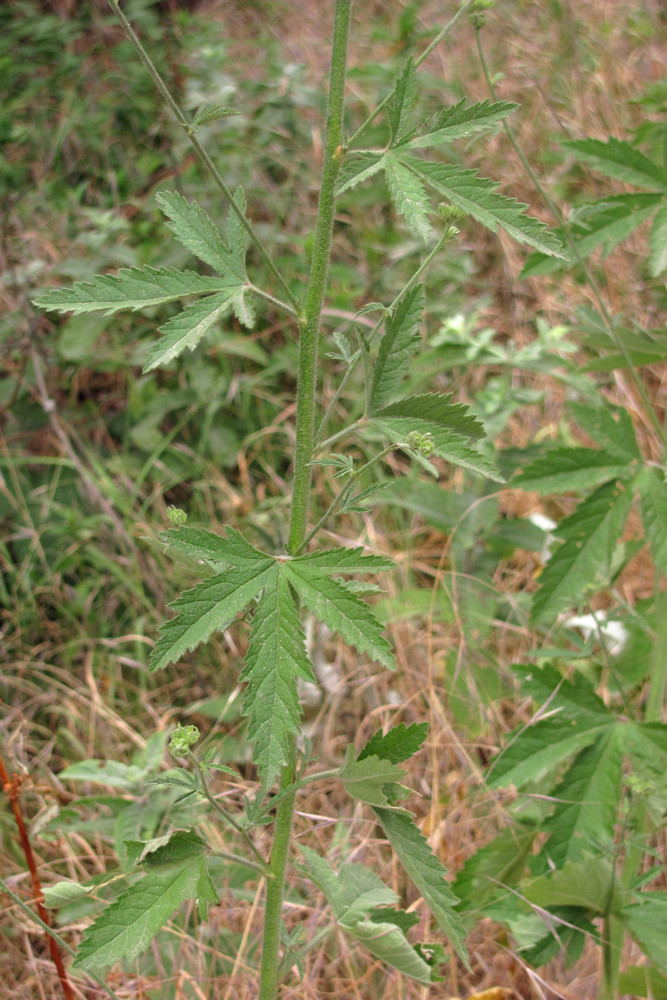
(305, 426)
(310, 330)
(199, 149)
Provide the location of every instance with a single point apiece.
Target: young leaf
(620, 160)
(199, 234)
(185, 330)
(209, 607)
(398, 744)
(399, 343)
(477, 197)
(408, 195)
(211, 113)
(448, 444)
(590, 536)
(276, 657)
(126, 928)
(365, 779)
(437, 408)
(341, 610)
(131, 288)
(426, 872)
(459, 122)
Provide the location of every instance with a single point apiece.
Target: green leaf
(403, 101)
(653, 493)
(199, 234)
(477, 197)
(494, 869)
(398, 744)
(276, 657)
(215, 549)
(426, 872)
(126, 928)
(64, 892)
(564, 470)
(358, 167)
(113, 773)
(209, 607)
(355, 893)
(344, 561)
(436, 408)
(207, 113)
(588, 883)
(448, 444)
(657, 239)
(131, 288)
(186, 330)
(460, 122)
(341, 610)
(588, 799)
(399, 343)
(618, 159)
(408, 195)
(590, 536)
(365, 779)
(646, 921)
(611, 428)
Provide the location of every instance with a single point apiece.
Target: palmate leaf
(344, 561)
(126, 928)
(403, 101)
(185, 330)
(341, 610)
(590, 536)
(358, 167)
(588, 883)
(399, 344)
(398, 744)
(436, 408)
(458, 122)
(611, 428)
(653, 495)
(620, 160)
(478, 197)
(493, 870)
(131, 288)
(657, 239)
(365, 778)
(199, 543)
(646, 921)
(276, 657)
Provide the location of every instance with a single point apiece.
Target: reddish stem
(11, 790)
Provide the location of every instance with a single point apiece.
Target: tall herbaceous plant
(274, 589)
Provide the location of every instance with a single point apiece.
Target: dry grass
(574, 76)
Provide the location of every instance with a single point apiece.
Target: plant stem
(310, 330)
(305, 426)
(201, 152)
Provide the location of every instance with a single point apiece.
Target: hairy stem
(305, 427)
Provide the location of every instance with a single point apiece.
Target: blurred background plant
(92, 454)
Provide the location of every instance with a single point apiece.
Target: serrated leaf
(402, 101)
(646, 921)
(620, 160)
(583, 560)
(477, 196)
(607, 221)
(459, 122)
(448, 444)
(113, 773)
(126, 928)
(426, 872)
(562, 470)
(209, 607)
(131, 288)
(341, 611)
(398, 744)
(365, 779)
(399, 343)
(388, 943)
(436, 408)
(588, 883)
(358, 167)
(344, 561)
(207, 113)
(232, 550)
(611, 429)
(275, 659)
(64, 892)
(198, 233)
(587, 801)
(185, 331)
(494, 869)
(408, 195)
(657, 238)
(653, 495)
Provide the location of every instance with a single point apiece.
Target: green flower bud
(182, 738)
(176, 515)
